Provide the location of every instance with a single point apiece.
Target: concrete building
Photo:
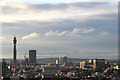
(82, 64)
(32, 56)
(98, 63)
(62, 60)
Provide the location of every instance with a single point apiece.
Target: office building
(98, 63)
(62, 60)
(82, 64)
(32, 56)
(57, 61)
(3, 69)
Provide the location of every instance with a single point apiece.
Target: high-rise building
(62, 60)
(82, 64)
(32, 56)
(98, 63)
(57, 61)
(3, 69)
(14, 51)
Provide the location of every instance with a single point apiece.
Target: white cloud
(55, 33)
(88, 30)
(2, 38)
(63, 33)
(105, 33)
(75, 32)
(57, 1)
(29, 36)
(26, 12)
(68, 2)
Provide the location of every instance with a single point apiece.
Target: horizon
(58, 58)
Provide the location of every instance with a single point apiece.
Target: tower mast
(14, 51)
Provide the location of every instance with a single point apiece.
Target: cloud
(78, 31)
(76, 11)
(69, 17)
(51, 33)
(68, 2)
(29, 36)
(88, 30)
(55, 33)
(63, 33)
(75, 32)
(105, 33)
(2, 38)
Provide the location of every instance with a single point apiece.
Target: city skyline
(61, 29)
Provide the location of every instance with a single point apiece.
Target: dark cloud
(64, 6)
(49, 6)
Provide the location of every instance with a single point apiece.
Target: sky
(60, 28)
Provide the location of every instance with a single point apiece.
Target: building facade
(3, 69)
(57, 61)
(32, 56)
(62, 60)
(98, 63)
(82, 64)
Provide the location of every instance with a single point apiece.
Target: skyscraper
(14, 51)
(3, 69)
(57, 61)
(98, 63)
(32, 56)
(62, 59)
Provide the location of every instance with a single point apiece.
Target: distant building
(67, 64)
(3, 69)
(98, 63)
(91, 62)
(62, 60)
(49, 70)
(82, 64)
(26, 61)
(57, 61)
(32, 56)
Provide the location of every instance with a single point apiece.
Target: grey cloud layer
(55, 12)
(74, 28)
